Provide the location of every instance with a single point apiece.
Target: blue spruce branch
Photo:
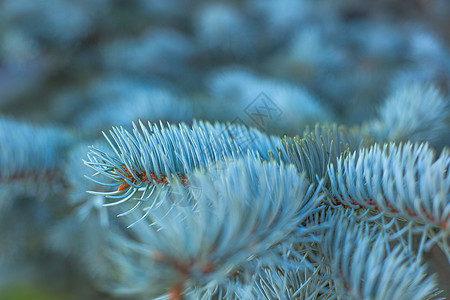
(403, 181)
(241, 212)
(160, 155)
(363, 266)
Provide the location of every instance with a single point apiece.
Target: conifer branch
(241, 212)
(29, 150)
(312, 153)
(160, 155)
(406, 181)
(364, 267)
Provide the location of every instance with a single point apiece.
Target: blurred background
(82, 66)
(96, 63)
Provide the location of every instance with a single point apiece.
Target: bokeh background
(78, 67)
